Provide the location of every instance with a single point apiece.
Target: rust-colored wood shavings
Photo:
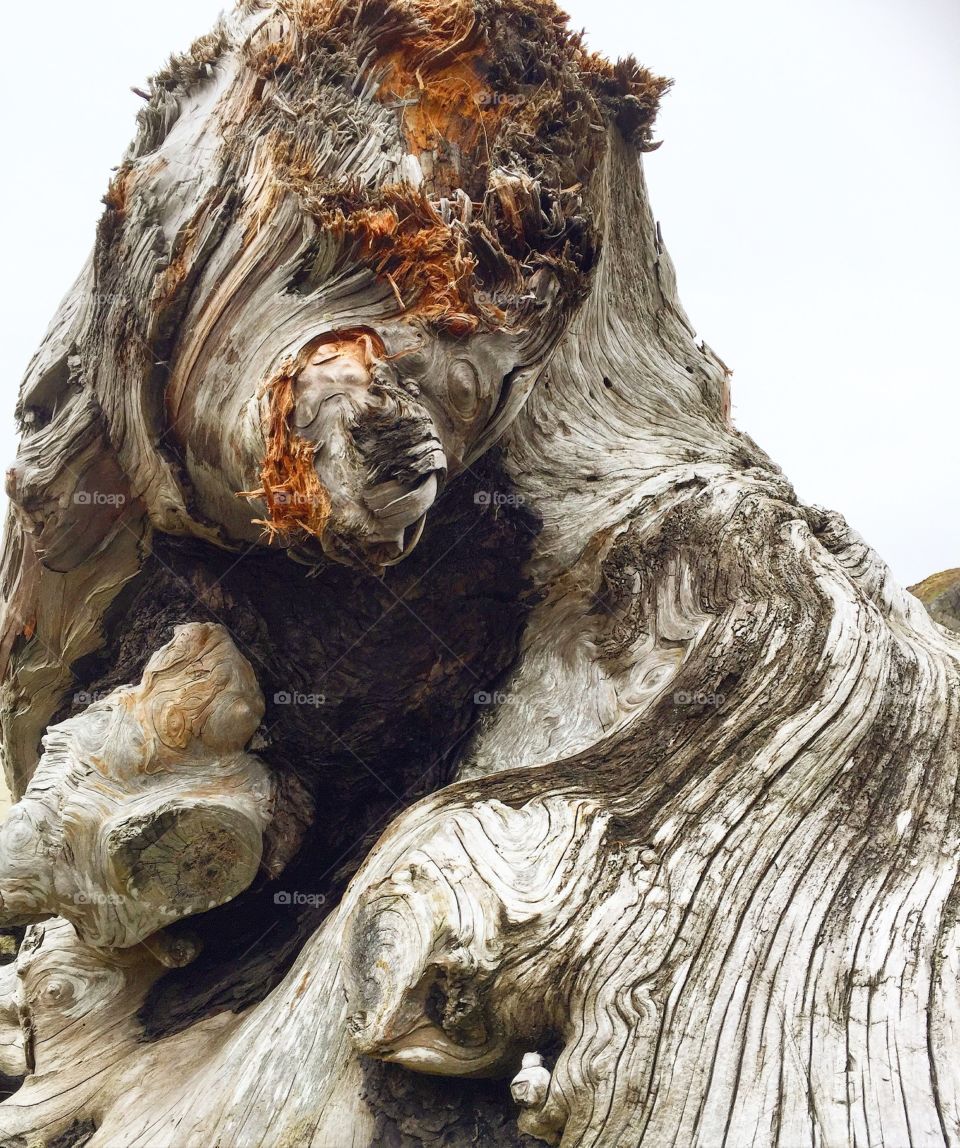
(295, 497)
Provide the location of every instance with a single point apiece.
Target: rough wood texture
(614, 790)
(144, 808)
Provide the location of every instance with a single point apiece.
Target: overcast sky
(807, 189)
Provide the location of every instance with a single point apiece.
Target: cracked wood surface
(145, 807)
(693, 877)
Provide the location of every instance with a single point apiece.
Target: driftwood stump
(431, 721)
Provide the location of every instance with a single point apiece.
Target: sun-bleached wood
(144, 808)
(695, 880)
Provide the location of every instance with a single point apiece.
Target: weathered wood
(144, 808)
(380, 354)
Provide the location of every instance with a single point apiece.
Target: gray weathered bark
(522, 727)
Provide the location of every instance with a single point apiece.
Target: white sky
(807, 189)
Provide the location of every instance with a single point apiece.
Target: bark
(550, 771)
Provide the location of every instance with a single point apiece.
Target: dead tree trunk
(410, 673)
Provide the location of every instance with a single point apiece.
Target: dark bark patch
(416, 1111)
(370, 686)
(79, 1133)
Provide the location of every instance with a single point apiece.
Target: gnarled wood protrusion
(68, 1021)
(145, 808)
(244, 231)
(13, 1059)
(703, 858)
(487, 939)
(711, 901)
